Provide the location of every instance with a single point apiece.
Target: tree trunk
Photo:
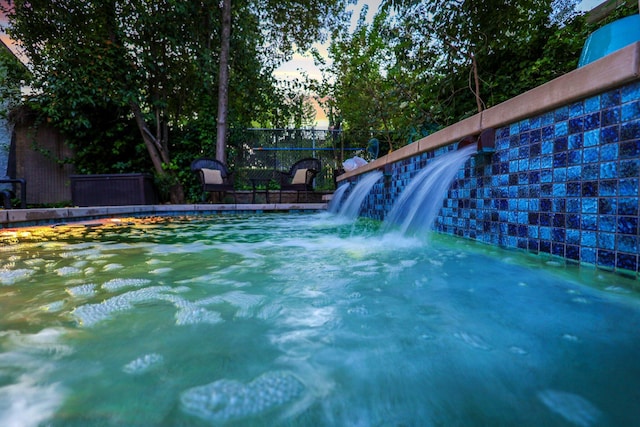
(223, 83)
(159, 157)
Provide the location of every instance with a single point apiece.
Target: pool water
(304, 320)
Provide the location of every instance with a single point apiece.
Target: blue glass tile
(631, 92)
(559, 220)
(630, 111)
(545, 246)
(560, 160)
(630, 130)
(524, 125)
(628, 225)
(628, 187)
(559, 190)
(558, 234)
(545, 219)
(534, 219)
(630, 149)
(575, 141)
(523, 165)
(610, 117)
(559, 205)
(523, 152)
(591, 138)
(589, 205)
(561, 129)
(608, 187)
(558, 249)
(534, 177)
(607, 205)
(514, 129)
(532, 232)
(573, 205)
(627, 262)
(592, 104)
(607, 223)
(524, 139)
(561, 113)
(608, 170)
(576, 109)
(560, 144)
(576, 125)
(609, 152)
(513, 153)
(588, 255)
(535, 136)
(610, 99)
(588, 239)
(573, 237)
(559, 175)
(606, 241)
(548, 132)
(545, 205)
(628, 243)
(535, 122)
(502, 143)
(534, 163)
(606, 258)
(610, 134)
(590, 188)
(547, 147)
(590, 155)
(545, 233)
(502, 132)
(592, 121)
(547, 118)
(591, 171)
(523, 218)
(574, 189)
(573, 221)
(572, 252)
(574, 173)
(546, 162)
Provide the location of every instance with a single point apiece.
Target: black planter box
(113, 190)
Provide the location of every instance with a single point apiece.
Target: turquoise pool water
(303, 320)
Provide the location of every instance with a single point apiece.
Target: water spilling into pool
(297, 320)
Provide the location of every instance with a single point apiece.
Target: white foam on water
(53, 307)
(86, 290)
(30, 399)
(112, 267)
(67, 271)
(10, 277)
(190, 313)
(120, 283)
(143, 364)
(164, 270)
(226, 400)
(246, 303)
(473, 341)
(91, 314)
(572, 407)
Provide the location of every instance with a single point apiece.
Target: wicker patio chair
(214, 177)
(300, 177)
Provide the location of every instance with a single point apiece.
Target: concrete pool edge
(17, 218)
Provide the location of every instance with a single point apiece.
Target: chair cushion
(211, 176)
(300, 177)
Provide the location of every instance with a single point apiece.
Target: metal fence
(278, 149)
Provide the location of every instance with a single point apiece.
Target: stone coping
(16, 218)
(614, 70)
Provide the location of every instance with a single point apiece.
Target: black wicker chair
(300, 177)
(214, 177)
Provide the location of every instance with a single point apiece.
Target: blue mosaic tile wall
(565, 183)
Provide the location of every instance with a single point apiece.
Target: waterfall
(420, 202)
(338, 195)
(350, 208)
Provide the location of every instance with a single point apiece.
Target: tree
(155, 62)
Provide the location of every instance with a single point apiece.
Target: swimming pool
(305, 320)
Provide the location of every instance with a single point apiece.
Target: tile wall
(565, 182)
